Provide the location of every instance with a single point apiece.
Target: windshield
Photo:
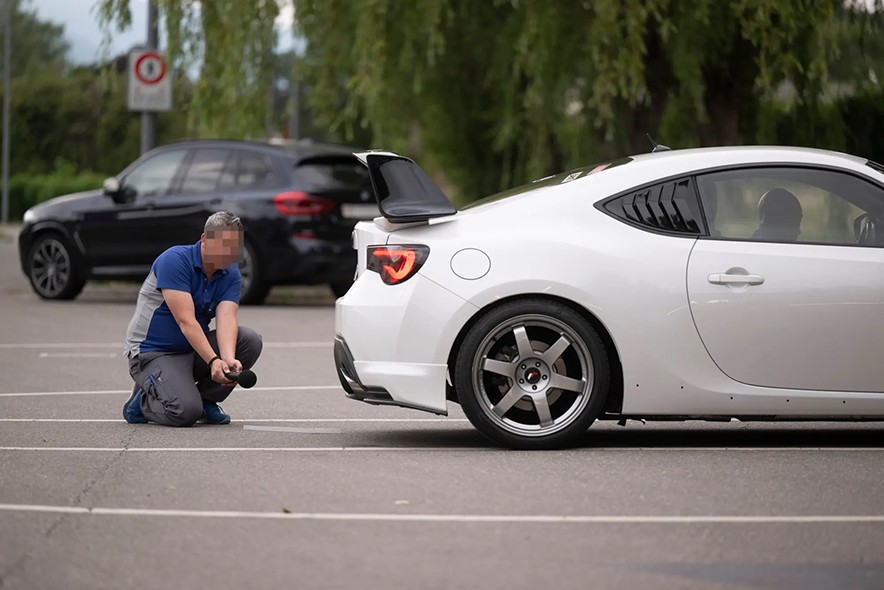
(549, 181)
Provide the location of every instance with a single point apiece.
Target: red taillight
(396, 264)
(298, 203)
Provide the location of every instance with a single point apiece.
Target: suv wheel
(53, 272)
(254, 288)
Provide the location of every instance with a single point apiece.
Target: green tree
(232, 43)
(503, 91)
(37, 45)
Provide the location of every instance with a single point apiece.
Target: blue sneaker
(213, 414)
(132, 409)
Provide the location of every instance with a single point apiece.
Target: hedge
(26, 190)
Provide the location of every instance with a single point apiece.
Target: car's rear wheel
(532, 374)
(254, 287)
(52, 268)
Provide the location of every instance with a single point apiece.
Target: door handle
(728, 279)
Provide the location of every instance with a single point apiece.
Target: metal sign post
(7, 50)
(148, 117)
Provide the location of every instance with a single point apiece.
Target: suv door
(788, 290)
(118, 235)
(180, 216)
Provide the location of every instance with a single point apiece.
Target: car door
(118, 234)
(788, 290)
(180, 216)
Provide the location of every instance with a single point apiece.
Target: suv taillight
(396, 264)
(298, 203)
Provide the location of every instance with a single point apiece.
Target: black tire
(340, 288)
(514, 427)
(54, 268)
(254, 287)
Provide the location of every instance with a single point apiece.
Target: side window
(204, 173)
(780, 204)
(154, 176)
(255, 171)
(670, 208)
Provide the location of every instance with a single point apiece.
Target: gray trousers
(176, 383)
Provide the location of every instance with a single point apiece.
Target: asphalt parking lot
(388, 498)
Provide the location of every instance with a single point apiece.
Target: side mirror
(111, 186)
(865, 227)
(857, 227)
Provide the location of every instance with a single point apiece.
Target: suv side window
(254, 171)
(782, 204)
(153, 176)
(204, 173)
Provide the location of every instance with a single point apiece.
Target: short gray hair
(222, 220)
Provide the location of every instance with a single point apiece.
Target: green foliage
(232, 41)
(27, 190)
(37, 45)
(503, 91)
(82, 118)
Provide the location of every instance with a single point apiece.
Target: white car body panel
(817, 321)
(553, 242)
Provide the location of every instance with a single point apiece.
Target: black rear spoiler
(404, 192)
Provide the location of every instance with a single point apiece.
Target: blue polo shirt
(153, 327)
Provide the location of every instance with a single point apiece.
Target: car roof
(701, 158)
(624, 174)
(294, 149)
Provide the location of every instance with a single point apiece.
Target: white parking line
(454, 518)
(426, 449)
(319, 344)
(129, 391)
(250, 420)
(235, 449)
(70, 355)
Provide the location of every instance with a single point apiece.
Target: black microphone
(246, 378)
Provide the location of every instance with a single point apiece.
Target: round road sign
(150, 68)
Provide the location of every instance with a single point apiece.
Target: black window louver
(670, 207)
(875, 166)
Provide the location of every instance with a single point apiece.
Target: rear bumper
(398, 340)
(379, 396)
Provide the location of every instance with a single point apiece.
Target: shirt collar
(197, 258)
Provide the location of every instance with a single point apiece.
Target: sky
(82, 32)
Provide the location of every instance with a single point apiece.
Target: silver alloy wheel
(51, 268)
(245, 269)
(533, 375)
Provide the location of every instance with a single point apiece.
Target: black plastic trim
(399, 207)
(376, 396)
(649, 209)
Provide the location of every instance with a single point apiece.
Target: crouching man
(178, 365)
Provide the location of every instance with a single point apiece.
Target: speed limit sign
(149, 82)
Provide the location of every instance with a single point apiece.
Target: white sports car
(710, 284)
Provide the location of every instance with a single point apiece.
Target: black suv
(298, 205)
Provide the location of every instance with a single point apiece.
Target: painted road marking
(455, 518)
(115, 420)
(120, 345)
(129, 391)
(425, 449)
(71, 355)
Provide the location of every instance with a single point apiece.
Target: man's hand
(219, 368)
(235, 365)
